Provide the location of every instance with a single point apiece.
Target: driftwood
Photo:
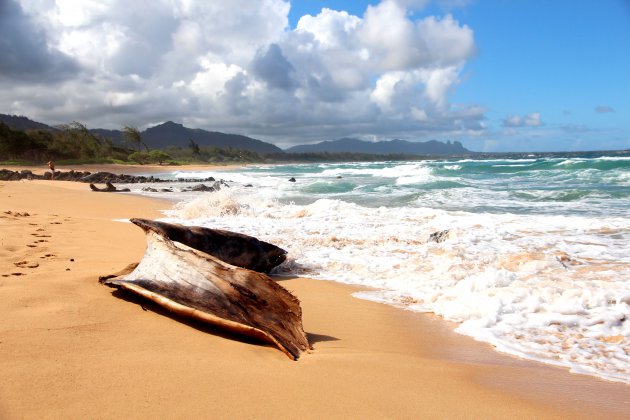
(233, 248)
(109, 187)
(200, 286)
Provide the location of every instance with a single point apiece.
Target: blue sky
(568, 60)
(497, 75)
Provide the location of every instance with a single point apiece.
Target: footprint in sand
(17, 214)
(31, 246)
(48, 256)
(37, 235)
(26, 264)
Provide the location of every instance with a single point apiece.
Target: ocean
(529, 255)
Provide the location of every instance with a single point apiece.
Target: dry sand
(121, 169)
(70, 348)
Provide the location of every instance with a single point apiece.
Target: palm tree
(133, 137)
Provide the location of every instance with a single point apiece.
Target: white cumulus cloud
(529, 120)
(237, 66)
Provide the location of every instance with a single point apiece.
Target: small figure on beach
(51, 166)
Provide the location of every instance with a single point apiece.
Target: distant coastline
(24, 141)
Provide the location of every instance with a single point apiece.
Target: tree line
(75, 143)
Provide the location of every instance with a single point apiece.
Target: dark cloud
(274, 68)
(325, 90)
(603, 109)
(24, 51)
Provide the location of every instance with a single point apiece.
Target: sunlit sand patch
(616, 339)
(514, 262)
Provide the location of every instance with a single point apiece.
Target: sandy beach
(71, 348)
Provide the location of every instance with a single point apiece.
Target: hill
(160, 136)
(173, 134)
(19, 122)
(350, 145)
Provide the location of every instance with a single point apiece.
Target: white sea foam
(416, 175)
(552, 288)
(453, 167)
(412, 169)
(551, 283)
(615, 158)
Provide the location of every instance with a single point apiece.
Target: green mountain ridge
(170, 133)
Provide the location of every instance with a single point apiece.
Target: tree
(194, 147)
(139, 157)
(78, 142)
(13, 143)
(158, 156)
(132, 136)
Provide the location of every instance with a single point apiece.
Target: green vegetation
(71, 143)
(74, 143)
(132, 136)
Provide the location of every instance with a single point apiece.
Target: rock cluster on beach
(92, 178)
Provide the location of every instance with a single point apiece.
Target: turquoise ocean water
(535, 256)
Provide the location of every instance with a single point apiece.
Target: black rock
(439, 236)
(199, 188)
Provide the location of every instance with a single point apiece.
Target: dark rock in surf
(109, 187)
(439, 236)
(198, 188)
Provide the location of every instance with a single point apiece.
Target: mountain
(160, 136)
(116, 136)
(19, 122)
(349, 145)
(173, 134)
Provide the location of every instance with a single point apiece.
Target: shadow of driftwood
(319, 338)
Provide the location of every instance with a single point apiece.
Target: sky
(496, 75)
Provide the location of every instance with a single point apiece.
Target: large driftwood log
(194, 284)
(109, 187)
(233, 248)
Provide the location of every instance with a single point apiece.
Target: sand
(122, 169)
(71, 348)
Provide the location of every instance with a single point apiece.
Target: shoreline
(123, 169)
(72, 349)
